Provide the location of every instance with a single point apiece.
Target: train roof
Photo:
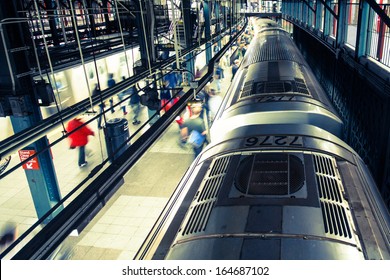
(281, 203)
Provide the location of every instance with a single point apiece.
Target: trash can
(116, 133)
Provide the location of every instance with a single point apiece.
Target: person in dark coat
(8, 234)
(152, 102)
(135, 104)
(96, 92)
(218, 75)
(235, 68)
(122, 95)
(79, 138)
(110, 83)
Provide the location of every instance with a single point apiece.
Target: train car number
(280, 140)
(270, 98)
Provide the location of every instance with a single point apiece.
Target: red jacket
(79, 137)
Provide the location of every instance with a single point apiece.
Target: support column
(189, 30)
(207, 26)
(230, 17)
(311, 13)
(319, 8)
(341, 26)
(145, 30)
(91, 16)
(361, 36)
(150, 19)
(218, 25)
(381, 27)
(52, 21)
(25, 113)
(40, 172)
(327, 19)
(106, 17)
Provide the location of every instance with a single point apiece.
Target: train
(276, 181)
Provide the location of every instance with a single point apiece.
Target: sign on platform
(33, 163)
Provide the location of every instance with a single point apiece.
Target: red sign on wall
(32, 163)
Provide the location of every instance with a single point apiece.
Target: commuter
(172, 79)
(110, 83)
(218, 75)
(226, 60)
(274, 7)
(165, 96)
(79, 138)
(241, 51)
(135, 104)
(8, 234)
(213, 104)
(235, 67)
(178, 77)
(122, 96)
(254, 5)
(216, 48)
(193, 130)
(203, 97)
(198, 73)
(151, 101)
(164, 55)
(96, 92)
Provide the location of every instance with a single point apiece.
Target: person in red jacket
(79, 138)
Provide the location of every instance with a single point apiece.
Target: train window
(270, 174)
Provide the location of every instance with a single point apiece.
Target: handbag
(196, 139)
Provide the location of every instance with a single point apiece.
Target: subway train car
(276, 181)
(275, 85)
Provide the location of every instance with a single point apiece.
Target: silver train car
(276, 181)
(275, 85)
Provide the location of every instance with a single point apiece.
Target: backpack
(196, 139)
(144, 99)
(153, 104)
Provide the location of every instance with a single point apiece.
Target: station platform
(119, 229)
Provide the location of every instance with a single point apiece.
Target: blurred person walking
(135, 104)
(122, 95)
(96, 92)
(8, 234)
(193, 130)
(218, 75)
(110, 83)
(235, 67)
(79, 138)
(213, 103)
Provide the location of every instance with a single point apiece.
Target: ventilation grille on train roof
(274, 48)
(294, 86)
(198, 219)
(330, 191)
(206, 198)
(270, 174)
(247, 89)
